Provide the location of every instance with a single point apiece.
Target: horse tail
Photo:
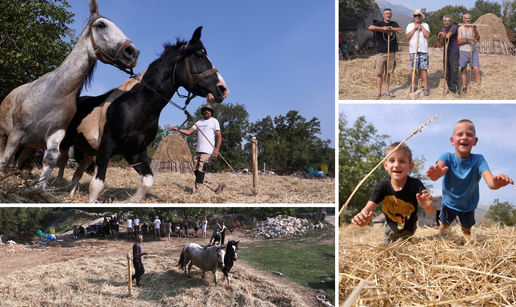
(78, 155)
(182, 260)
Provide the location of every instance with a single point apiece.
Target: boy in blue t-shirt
(462, 172)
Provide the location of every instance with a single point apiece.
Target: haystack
(172, 155)
(493, 37)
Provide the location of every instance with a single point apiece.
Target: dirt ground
(21, 257)
(357, 80)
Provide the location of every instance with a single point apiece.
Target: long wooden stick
(392, 151)
(414, 70)
(129, 275)
(471, 63)
(446, 41)
(387, 68)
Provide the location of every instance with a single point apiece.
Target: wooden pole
(254, 150)
(445, 63)
(387, 68)
(415, 64)
(129, 294)
(470, 64)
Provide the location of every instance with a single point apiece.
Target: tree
(22, 219)
(291, 141)
(33, 37)
(509, 18)
(483, 7)
(353, 8)
(502, 212)
(360, 150)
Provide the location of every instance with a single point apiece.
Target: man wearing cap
(209, 129)
(421, 60)
(449, 32)
(385, 30)
(466, 40)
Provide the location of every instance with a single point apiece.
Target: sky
(275, 56)
(495, 125)
(436, 4)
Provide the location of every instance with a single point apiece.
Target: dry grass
(434, 269)
(104, 281)
(357, 80)
(177, 188)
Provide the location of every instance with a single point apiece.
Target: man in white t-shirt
(157, 227)
(136, 225)
(130, 226)
(211, 129)
(422, 59)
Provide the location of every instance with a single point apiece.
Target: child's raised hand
(502, 180)
(362, 218)
(436, 172)
(424, 199)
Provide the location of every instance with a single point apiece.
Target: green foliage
(503, 212)
(353, 8)
(21, 219)
(291, 141)
(305, 260)
(361, 149)
(33, 38)
(509, 19)
(435, 20)
(483, 7)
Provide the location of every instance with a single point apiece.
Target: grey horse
(37, 114)
(207, 259)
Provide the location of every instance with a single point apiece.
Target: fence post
(254, 150)
(129, 275)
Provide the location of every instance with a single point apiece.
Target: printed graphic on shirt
(397, 210)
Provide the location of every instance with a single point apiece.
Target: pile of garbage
(282, 227)
(43, 235)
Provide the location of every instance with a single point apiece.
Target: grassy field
(305, 260)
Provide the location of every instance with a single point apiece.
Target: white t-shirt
(208, 127)
(422, 42)
(157, 223)
(136, 221)
(129, 223)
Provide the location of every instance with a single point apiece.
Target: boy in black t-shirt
(385, 29)
(399, 196)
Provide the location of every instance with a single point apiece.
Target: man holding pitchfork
(385, 32)
(418, 33)
(468, 54)
(448, 38)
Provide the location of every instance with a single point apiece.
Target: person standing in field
(385, 29)
(466, 39)
(139, 270)
(449, 33)
(421, 60)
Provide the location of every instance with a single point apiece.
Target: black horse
(126, 122)
(231, 255)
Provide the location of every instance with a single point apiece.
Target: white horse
(207, 259)
(37, 114)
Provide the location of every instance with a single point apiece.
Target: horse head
(220, 254)
(108, 43)
(231, 249)
(197, 74)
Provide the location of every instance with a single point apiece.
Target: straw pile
(104, 281)
(495, 29)
(357, 80)
(14, 188)
(282, 227)
(172, 155)
(177, 188)
(433, 269)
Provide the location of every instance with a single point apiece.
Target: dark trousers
(452, 72)
(222, 236)
(138, 271)
(136, 230)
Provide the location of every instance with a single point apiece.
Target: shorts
(448, 215)
(381, 62)
(196, 228)
(465, 57)
(185, 227)
(156, 230)
(129, 229)
(390, 236)
(422, 61)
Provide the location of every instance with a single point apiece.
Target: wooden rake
(392, 151)
(415, 65)
(446, 41)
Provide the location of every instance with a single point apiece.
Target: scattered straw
(177, 188)
(89, 281)
(431, 269)
(357, 80)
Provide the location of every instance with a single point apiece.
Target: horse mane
(177, 47)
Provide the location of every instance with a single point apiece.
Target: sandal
(389, 94)
(376, 96)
